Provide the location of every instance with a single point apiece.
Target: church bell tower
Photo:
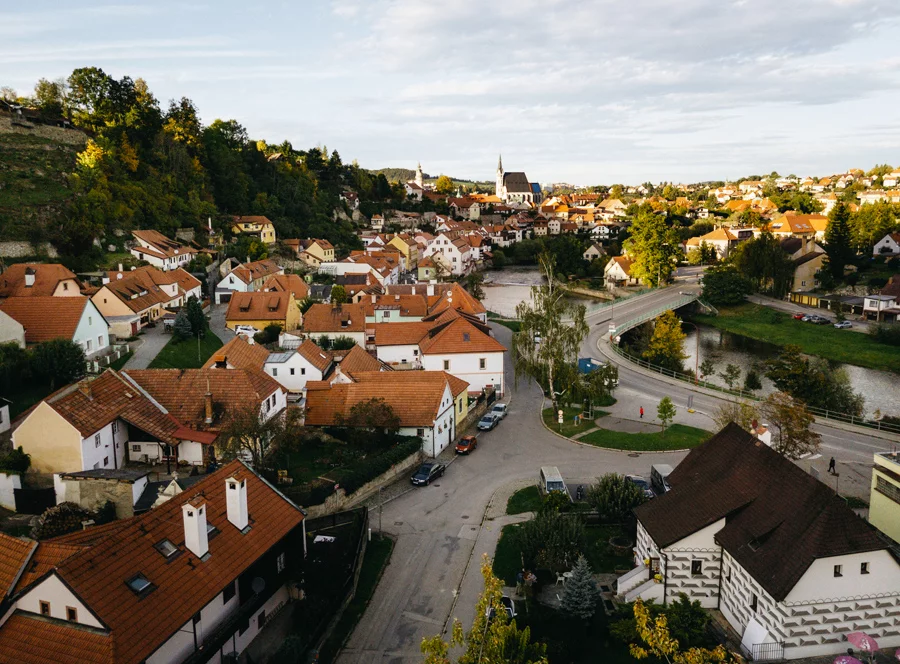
(499, 191)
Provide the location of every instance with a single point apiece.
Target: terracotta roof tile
(239, 354)
(249, 272)
(141, 289)
(399, 334)
(335, 318)
(162, 244)
(14, 553)
(290, 283)
(45, 317)
(315, 355)
(460, 336)
(356, 360)
(259, 305)
(30, 639)
(407, 305)
(47, 555)
(46, 278)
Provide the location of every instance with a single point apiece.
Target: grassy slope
(33, 164)
(764, 324)
(183, 354)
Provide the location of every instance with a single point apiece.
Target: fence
(764, 652)
(643, 318)
(854, 420)
(98, 364)
(603, 306)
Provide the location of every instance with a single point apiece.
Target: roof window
(139, 584)
(166, 548)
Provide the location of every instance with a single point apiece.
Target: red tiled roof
(31, 639)
(290, 283)
(46, 278)
(240, 354)
(330, 318)
(45, 317)
(315, 355)
(164, 246)
(141, 289)
(14, 553)
(259, 305)
(249, 272)
(460, 336)
(407, 305)
(399, 334)
(357, 359)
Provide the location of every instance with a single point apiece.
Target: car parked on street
(488, 422)
(843, 325)
(499, 410)
(466, 444)
(643, 485)
(820, 320)
(799, 316)
(427, 472)
(245, 330)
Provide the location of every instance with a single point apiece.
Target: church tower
(499, 191)
(420, 177)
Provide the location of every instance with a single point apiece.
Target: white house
(889, 245)
(618, 272)
(791, 567)
(160, 251)
(294, 368)
(225, 548)
(11, 330)
(246, 278)
(46, 317)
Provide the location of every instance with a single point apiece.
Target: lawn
(568, 428)
(777, 327)
(378, 553)
(118, 364)
(524, 500)
(507, 559)
(184, 354)
(676, 437)
(513, 325)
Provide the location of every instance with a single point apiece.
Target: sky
(579, 91)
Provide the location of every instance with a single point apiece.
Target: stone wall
(93, 493)
(23, 249)
(340, 501)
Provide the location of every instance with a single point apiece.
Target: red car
(799, 316)
(466, 444)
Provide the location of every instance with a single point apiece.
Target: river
(504, 289)
(878, 387)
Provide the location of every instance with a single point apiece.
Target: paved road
(439, 528)
(151, 342)
(217, 322)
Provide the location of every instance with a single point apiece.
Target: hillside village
(208, 402)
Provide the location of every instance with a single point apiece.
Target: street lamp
(696, 352)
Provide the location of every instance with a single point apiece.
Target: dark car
(507, 605)
(466, 444)
(488, 422)
(428, 472)
(820, 320)
(643, 485)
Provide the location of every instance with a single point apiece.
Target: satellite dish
(258, 585)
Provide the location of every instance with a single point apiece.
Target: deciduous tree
(552, 540)
(731, 375)
(790, 422)
(659, 643)
(666, 346)
(666, 412)
(655, 247)
(338, 294)
(444, 185)
(741, 413)
(59, 362)
(614, 496)
(725, 285)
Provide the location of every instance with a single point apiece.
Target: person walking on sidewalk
(642, 412)
(832, 466)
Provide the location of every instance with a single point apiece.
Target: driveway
(442, 530)
(217, 322)
(148, 346)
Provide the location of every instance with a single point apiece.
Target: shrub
(852, 279)
(15, 461)
(876, 282)
(886, 333)
(268, 335)
(369, 468)
(614, 496)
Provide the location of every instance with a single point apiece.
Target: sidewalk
(147, 347)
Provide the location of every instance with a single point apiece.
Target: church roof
(516, 182)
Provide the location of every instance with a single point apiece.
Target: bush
(852, 279)
(614, 496)
(369, 468)
(886, 333)
(16, 461)
(876, 282)
(268, 335)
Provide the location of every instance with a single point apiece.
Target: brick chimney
(209, 404)
(236, 500)
(194, 517)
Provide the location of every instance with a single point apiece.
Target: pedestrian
(642, 412)
(832, 467)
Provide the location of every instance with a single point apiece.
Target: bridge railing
(643, 318)
(603, 306)
(855, 420)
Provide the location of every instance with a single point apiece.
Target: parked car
(466, 444)
(843, 325)
(428, 472)
(643, 484)
(508, 606)
(245, 330)
(488, 422)
(799, 316)
(806, 319)
(820, 320)
(499, 410)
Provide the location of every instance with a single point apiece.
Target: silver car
(499, 410)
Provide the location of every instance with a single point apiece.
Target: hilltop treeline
(146, 166)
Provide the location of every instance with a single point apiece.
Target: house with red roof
(160, 251)
(45, 318)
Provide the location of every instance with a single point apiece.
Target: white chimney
(120, 267)
(105, 279)
(429, 290)
(195, 538)
(29, 277)
(236, 500)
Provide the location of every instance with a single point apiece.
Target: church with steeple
(416, 187)
(514, 187)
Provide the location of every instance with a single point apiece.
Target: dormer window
(166, 548)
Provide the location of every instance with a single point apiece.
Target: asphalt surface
(442, 530)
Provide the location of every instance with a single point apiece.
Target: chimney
(373, 298)
(413, 290)
(429, 290)
(209, 405)
(120, 267)
(85, 388)
(29, 277)
(194, 516)
(236, 500)
(105, 279)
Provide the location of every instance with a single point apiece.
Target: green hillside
(33, 168)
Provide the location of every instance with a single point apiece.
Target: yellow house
(460, 389)
(322, 250)
(259, 309)
(53, 443)
(806, 269)
(407, 246)
(258, 226)
(884, 499)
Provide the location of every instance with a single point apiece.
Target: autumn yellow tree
(666, 347)
(659, 643)
(444, 185)
(492, 640)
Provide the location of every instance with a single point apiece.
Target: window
(90, 320)
(230, 280)
(696, 567)
(136, 448)
(839, 570)
(274, 371)
(115, 426)
(482, 363)
(864, 568)
(415, 352)
(279, 562)
(420, 433)
(166, 548)
(302, 371)
(97, 440)
(754, 602)
(65, 285)
(100, 341)
(139, 584)
(105, 461)
(261, 620)
(446, 365)
(228, 593)
(88, 344)
(45, 608)
(71, 614)
(292, 371)
(460, 405)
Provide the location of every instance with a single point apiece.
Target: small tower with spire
(499, 189)
(420, 177)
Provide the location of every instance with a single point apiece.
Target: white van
(659, 478)
(551, 480)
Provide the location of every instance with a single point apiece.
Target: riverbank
(826, 341)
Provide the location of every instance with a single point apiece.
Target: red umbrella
(846, 659)
(862, 641)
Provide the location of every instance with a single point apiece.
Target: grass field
(524, 500)
(676, 437)
(183, 354)
(777, 327)
(568, 427)
(378, 553)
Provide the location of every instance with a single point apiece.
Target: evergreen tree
(581, 594)
(838, 239)
(196, 317)
(182, 328)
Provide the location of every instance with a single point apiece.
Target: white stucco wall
(92, 332)
(401, 353)
(466, 366)
(11, 330)
(111, 449)
(54, 591)
(294, 373)
(191, 452)
(820, 584)
(8, 483)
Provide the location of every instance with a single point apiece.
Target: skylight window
(139, 583)
(166, 548)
